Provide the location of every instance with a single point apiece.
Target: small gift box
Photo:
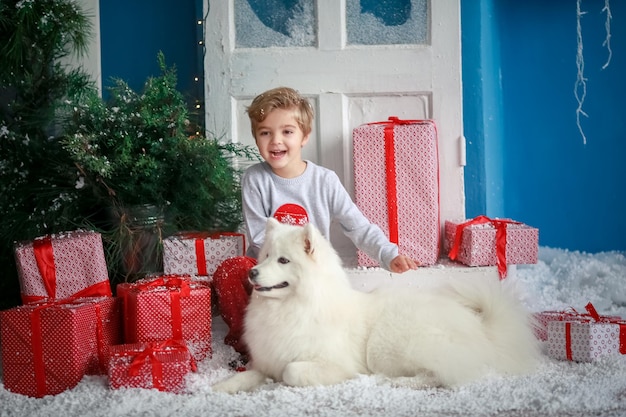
(396, 184)
(60, 266)
(168, 307)
(159, 365)
(48, 347)
(199, 253)
(483, 241)
(586, 337)
(544, 317)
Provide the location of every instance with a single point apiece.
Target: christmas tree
(68, 158)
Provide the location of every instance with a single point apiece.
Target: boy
(295, 191)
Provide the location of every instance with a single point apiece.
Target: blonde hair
(281, 98)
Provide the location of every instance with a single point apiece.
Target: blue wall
(525, 157)
(133, 32)
(574, 193)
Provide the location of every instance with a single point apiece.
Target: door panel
(413, 72)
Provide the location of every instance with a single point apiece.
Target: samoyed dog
(305, 325)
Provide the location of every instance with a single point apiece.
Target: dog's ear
(310, 238)
(271, 224)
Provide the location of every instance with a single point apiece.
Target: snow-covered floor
(560, 280)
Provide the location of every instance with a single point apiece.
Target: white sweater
(320, 193)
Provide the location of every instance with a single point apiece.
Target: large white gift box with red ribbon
(168, 307)
(200, 253)
(483, 241)
(47, 347)
(396, 184)
(63, 265)
(155, 365)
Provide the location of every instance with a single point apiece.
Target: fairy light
(580, 86)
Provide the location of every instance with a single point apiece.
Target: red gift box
(396, 184)
(168, 307)
(108, 330)
(200, 253)
(48, 347)
(483, 241)
(586, 340)
(159, 365)
(64, 265)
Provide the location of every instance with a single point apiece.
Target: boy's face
(280, 141)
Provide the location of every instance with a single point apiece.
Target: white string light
(607, 26)
(580, 86)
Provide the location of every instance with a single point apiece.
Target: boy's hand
(402, 263)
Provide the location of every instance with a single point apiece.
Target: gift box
(585, 341)
(200, 253)
(396, 184)
(542, 318)
(108, 330)
(483, 241)
(159, 365)
(48, 347)
(60, 266)
(168, 307)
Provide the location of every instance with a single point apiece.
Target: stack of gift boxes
(397, 187)
(150, 335)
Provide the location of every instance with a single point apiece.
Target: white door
(356, 65)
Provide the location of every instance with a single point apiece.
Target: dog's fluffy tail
(507, 323)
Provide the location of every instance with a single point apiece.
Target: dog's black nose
(253, 274)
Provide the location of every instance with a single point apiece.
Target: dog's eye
(283, 260)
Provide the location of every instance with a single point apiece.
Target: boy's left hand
(402, 263)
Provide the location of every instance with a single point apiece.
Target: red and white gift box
(483, 241)
(168, 307)
(396, 169)
(200, 253)
(585, 341)
(47, 347)
(159, 365)
(586, 337)
(542, 318)
(59, 266)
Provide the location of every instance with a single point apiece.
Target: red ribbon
(201, 257)
(37, 343)
(44, 256)
(100, 289)
(500, 225)
(149, 354)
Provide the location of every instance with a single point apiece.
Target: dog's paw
(240, 382)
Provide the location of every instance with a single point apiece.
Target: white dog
(305, 324)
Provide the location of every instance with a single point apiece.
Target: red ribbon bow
(149, 354)
(500, 225)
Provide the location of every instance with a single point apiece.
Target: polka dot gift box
(483, 241)
(47, 347)
(168, 307)
(396, 184)
(200, 253)
(159, 365)
(585, 341)
(62, 265)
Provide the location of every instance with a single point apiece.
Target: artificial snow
(562, 279)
